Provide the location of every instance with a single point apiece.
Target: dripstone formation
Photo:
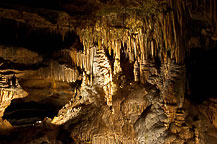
(108, 72)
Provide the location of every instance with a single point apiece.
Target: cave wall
(114, 71)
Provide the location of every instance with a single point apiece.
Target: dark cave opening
(24, 114)
(201, 75)
(126, 65)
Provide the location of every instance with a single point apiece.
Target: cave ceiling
(108, 71)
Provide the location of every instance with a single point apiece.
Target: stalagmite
(136, 71)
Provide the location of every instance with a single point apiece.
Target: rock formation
(108, 71)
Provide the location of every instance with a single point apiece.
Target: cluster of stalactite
(83, 60)
(96, 68)
(139, 38)
(59, 72)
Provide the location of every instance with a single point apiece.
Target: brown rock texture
(108, 72)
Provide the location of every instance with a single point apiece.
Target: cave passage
(201, 72)
(27, 113)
